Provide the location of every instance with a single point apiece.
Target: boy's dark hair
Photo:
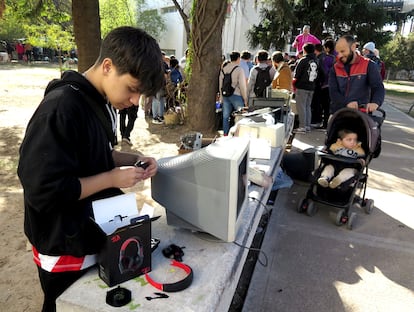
(246, 55)
(309, 48)
(277, 57)
(262, 55)
(234, 56)
(135, 52)
(319, 47)
(329, 44)
(344, 132)
(173, 62)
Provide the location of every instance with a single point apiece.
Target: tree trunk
(206, 52)
(87, 29)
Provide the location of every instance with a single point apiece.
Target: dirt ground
(21, 90)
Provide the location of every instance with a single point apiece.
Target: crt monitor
(206, 189)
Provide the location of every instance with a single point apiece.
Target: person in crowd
(304, 37)
(292, 63)
(304, 80)
(173, 81)
(126, 127)
(246, 63)
(316, 107)
(295, 61)
(159, 101)
(346, 145)
(28, 51)
(175, 75)
(382, 63)
(67, 159)
(283, 76)
(20, 50)
(369, 51)
(262, 65)
(355, 80)
(326, 65)
(239, 97)
(183, 60)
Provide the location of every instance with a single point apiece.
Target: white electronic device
(275, 133)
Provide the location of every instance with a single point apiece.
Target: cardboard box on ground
(127, 252)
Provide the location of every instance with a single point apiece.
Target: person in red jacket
(355, 80)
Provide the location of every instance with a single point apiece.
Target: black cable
(265, 262)
(261, 203)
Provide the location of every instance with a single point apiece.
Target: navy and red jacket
(362, 83)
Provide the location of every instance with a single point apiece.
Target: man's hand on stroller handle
(366, 108)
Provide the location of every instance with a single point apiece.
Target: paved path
(313, 265)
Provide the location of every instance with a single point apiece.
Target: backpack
(226, 87)
(263, 80)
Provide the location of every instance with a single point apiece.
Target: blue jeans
(158, 104)
(303, 106)
(230, 103)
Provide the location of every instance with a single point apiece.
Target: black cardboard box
(127, 253)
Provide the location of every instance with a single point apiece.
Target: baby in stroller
(346, 145)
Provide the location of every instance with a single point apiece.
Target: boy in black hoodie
(67, 158)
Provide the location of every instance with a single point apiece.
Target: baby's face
(350, 140)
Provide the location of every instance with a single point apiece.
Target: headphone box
(127, 251)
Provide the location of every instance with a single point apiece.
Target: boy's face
(122, 91)
(350, 140)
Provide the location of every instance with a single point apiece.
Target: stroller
(350, 193)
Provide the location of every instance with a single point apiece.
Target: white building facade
(241, 15)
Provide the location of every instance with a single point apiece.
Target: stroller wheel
(311, 209)
(368, 205)
(351, 221)
(302, 206)
(341, 217)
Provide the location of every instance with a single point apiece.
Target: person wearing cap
(369, 51)
(304, 37)
(355, 80)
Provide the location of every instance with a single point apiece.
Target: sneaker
(315, 125)
(299, 130)
(157, 121)
(335, 183)
(127, 141)
(308, 129)
(323, 181)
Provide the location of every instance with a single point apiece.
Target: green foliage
(399, 53)
(43, 23)
(274, 29)
(282, 20)
(115, 13)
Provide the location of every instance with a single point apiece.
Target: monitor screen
(206, 189)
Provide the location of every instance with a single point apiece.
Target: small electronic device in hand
(141, 164)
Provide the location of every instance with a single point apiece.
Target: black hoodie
(64, 141)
